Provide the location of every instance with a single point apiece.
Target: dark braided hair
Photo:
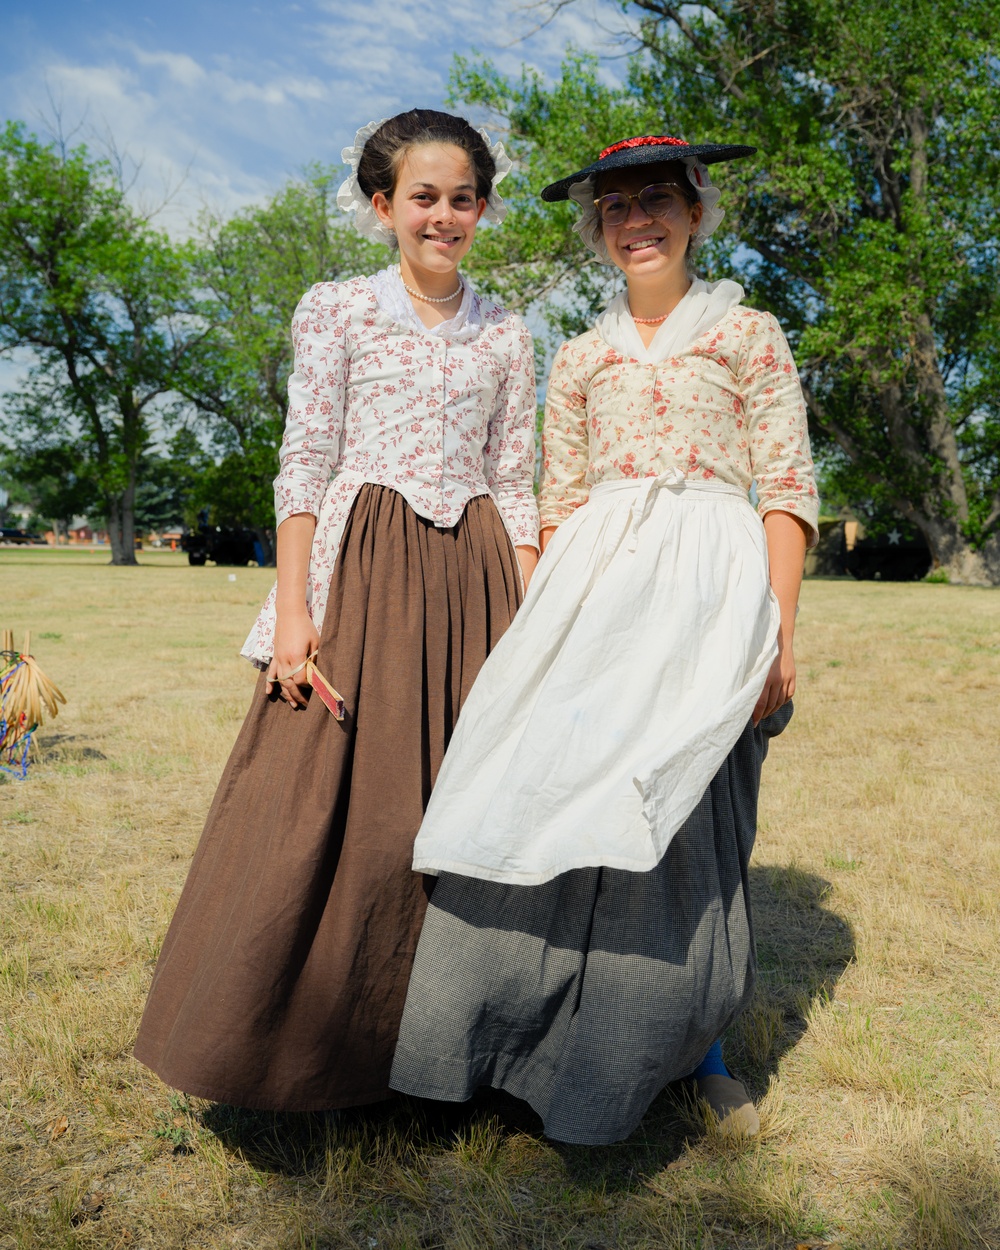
(387, 147)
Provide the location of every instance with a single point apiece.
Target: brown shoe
(731, 1103)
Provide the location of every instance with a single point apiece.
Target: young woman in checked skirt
(405, 487)
(590, 936)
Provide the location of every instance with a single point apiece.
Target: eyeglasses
(660, 199)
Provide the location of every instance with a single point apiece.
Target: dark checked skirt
(585, 996)
(283, 974)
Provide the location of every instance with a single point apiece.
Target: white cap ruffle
(351, 199)
(589, 225)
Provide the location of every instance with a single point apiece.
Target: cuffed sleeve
(565, 458)
(317, 392)
(509, 451)
(780, 458)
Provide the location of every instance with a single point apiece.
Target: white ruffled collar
(703, 307)
(393, 300)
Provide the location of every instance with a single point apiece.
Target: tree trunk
(264, 538)
(115, 530)
(128, 520)
(122, 553)
(964, 564)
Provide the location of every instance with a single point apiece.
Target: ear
(480, 209)
(696, 215)
(383, 209)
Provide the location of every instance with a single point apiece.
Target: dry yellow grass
(873, 1039)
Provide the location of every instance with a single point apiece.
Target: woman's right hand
(295, 638)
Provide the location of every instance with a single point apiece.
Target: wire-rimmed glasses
(659, 199)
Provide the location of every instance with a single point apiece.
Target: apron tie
(642, 506)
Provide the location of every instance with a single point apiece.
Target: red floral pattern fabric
(440, 419)
(728, 407)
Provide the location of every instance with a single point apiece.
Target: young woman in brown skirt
(407, 527)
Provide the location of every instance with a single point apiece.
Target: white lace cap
(351, 199)
(589, 225)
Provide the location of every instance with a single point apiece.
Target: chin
(648, 264)
(433, 259)
(664, 257)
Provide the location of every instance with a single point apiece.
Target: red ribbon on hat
(644, 141)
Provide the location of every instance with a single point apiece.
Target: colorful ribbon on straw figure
(25, 694)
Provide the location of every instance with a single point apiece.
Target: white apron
(623, 683)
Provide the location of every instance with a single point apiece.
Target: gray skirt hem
(595, 1114)
(588, 995)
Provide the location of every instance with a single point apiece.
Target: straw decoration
(26, 697)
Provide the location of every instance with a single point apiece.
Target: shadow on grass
(297, 1144)
(803, 948)
(63, 748)
(409, 1174)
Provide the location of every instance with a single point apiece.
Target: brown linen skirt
(283, 974)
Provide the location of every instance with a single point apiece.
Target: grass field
(873, 1040)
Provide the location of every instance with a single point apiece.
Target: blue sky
(219, 102)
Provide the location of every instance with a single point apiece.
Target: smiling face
(433, 210)
(645, 246)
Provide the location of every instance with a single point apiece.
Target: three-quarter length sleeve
(509, 451)
(565, 457)
(317, 391)
(781, 461)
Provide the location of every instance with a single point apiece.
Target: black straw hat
(647, 150)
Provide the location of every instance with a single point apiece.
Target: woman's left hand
(780, 684)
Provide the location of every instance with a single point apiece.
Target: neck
(658, 297)
(429, 282)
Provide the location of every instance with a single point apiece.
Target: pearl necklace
(431, 299)
(649, 321)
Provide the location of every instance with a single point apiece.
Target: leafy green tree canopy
(867, 222)
(102, 301)
(251, 271)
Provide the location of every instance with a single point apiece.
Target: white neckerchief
(704, 306)
(395, 302)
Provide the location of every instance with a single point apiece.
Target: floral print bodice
(439, 419)
(439, 415)
(727, 407)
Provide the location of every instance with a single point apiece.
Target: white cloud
(182, 69)
(222, 125)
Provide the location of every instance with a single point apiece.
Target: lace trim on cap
(351, 199)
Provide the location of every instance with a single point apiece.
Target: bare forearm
(786, 550)
(295, 636)
(294, 543)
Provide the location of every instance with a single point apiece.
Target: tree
(867, 223)
(102, 300)
(49, 482)
(252, 271)
(535, 260)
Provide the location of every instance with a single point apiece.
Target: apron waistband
(645, 489)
